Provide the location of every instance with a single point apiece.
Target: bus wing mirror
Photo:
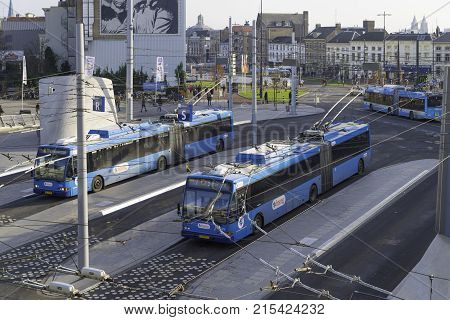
(179, 209)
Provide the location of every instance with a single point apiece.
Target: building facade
(282, 48)
(441, 55)
(316, 49)
(158, 32)
(339, 54)
(274, 25)
(24, 33)
(409, 55)
(60, 32)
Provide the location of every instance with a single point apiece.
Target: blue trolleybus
(397, 100)
(115, 154)
(266, 182)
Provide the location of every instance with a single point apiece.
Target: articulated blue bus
(397, 100)
(115, 154)
(266, 182)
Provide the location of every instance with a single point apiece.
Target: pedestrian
(37, 108)
(209, 98)
(223, 90)
(1, 111)
(143, 107)
(266, 98)
(290, 97)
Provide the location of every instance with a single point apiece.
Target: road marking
(242, 122)
(141, 198)
(29, 195)
(27, 190)
(345, 232)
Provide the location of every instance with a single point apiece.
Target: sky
(347, 12)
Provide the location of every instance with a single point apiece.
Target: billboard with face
(150, 17)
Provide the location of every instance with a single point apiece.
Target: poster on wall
(150, 17)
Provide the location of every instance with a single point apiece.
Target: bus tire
(371, 107)
(411, 115)
(220, 146)
(361, 167)
(313, 193)
(97, 184)
(162, 164)
(259, 220)
(389, 111)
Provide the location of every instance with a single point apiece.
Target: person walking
(118, 103)
(209, 98)
(266, 98)
(37, 109)
(1, 111)
(143, 106)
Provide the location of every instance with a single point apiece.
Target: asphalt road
(420, 142)
(382, 252)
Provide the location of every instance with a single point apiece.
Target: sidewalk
(417, 284)
(323, 227)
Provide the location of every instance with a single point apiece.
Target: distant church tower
(10, 10)
(424, 26)
(414, 26)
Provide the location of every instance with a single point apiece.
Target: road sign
(98, 104)
(185, 113)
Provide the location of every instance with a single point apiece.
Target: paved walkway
(417, 284)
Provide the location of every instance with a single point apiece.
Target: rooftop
(371, 36)
(344, 37)
(444, 38)
(408, 37)
(320, 33)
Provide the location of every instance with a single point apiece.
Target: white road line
(368, 215)
(242, 122)
(141, 198)
(27, 190)
(28, 195)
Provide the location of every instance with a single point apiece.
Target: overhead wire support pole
(254, 81)
(384, 15)
(83, 219)
(230, 66)
(130, 60)
(262, 55)
(443, 190)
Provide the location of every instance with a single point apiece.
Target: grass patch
(282, 94)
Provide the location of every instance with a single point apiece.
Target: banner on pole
(159, 69)
(89, 66)
(24, 71)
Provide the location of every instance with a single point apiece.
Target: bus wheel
(97, 184)
(411, 115)
(371, 107)
(361, 167)
(313, 194)
(259, 220)
(162, 164)
(390, 111)
(220, 146)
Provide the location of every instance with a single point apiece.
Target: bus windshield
(435, 101)
(51, 164)
(205, 198)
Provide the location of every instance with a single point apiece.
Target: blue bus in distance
(118, 153)
(268, 181)
(398, 100)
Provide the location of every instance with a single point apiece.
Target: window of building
(438, 57)
(447, 57)
(438, 48)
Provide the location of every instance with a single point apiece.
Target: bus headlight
(64, 189)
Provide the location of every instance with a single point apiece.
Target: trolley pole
(83, 219)
(443, 190)
(254, 81)
(293, 109)
(130, 60)
(230, 66)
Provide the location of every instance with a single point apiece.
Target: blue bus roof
(114, 134)
(256, 163)
(403, 91)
